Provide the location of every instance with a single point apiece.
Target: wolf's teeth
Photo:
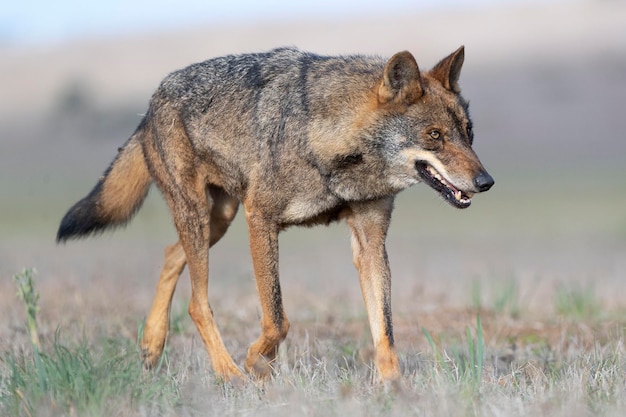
(458, 195)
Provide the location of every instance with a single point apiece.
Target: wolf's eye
(435, 134)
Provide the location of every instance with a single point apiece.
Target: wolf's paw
(150, 358)
(231, 374)
(259, 366)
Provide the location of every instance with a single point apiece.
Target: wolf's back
(119, 193)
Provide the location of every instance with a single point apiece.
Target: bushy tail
(116, 197)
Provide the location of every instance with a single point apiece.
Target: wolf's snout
(483, 181)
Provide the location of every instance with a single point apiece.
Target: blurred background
(546, 81)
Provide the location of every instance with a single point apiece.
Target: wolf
(297, 139)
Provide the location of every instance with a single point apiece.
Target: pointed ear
(448, 70)
(401, 83)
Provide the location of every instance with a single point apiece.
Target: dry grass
(565, 358)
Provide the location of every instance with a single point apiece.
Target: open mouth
(437, 182)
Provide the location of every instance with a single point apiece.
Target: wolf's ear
(402, 83)
(448, 70)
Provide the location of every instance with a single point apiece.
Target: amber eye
(435, 134)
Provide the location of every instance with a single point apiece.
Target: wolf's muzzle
(483, 181)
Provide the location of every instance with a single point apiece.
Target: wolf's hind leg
(193, 227)
(157, 325)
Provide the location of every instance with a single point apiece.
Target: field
(514, 307)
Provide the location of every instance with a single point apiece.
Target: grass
(461, 365)
(503, 298)
(84, 380)
(576, 302)
(76, 378)
(464, 372)
(26, 292)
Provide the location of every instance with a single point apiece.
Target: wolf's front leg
(274, 323)
(369, 223)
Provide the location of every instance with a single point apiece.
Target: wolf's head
(432, 135)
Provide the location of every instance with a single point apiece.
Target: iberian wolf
(297, 139)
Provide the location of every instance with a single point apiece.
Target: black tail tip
(63, 234)
(80, 221)
(69, 228)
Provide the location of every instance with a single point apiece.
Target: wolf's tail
(116, 197)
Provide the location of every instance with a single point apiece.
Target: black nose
(483, 181)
